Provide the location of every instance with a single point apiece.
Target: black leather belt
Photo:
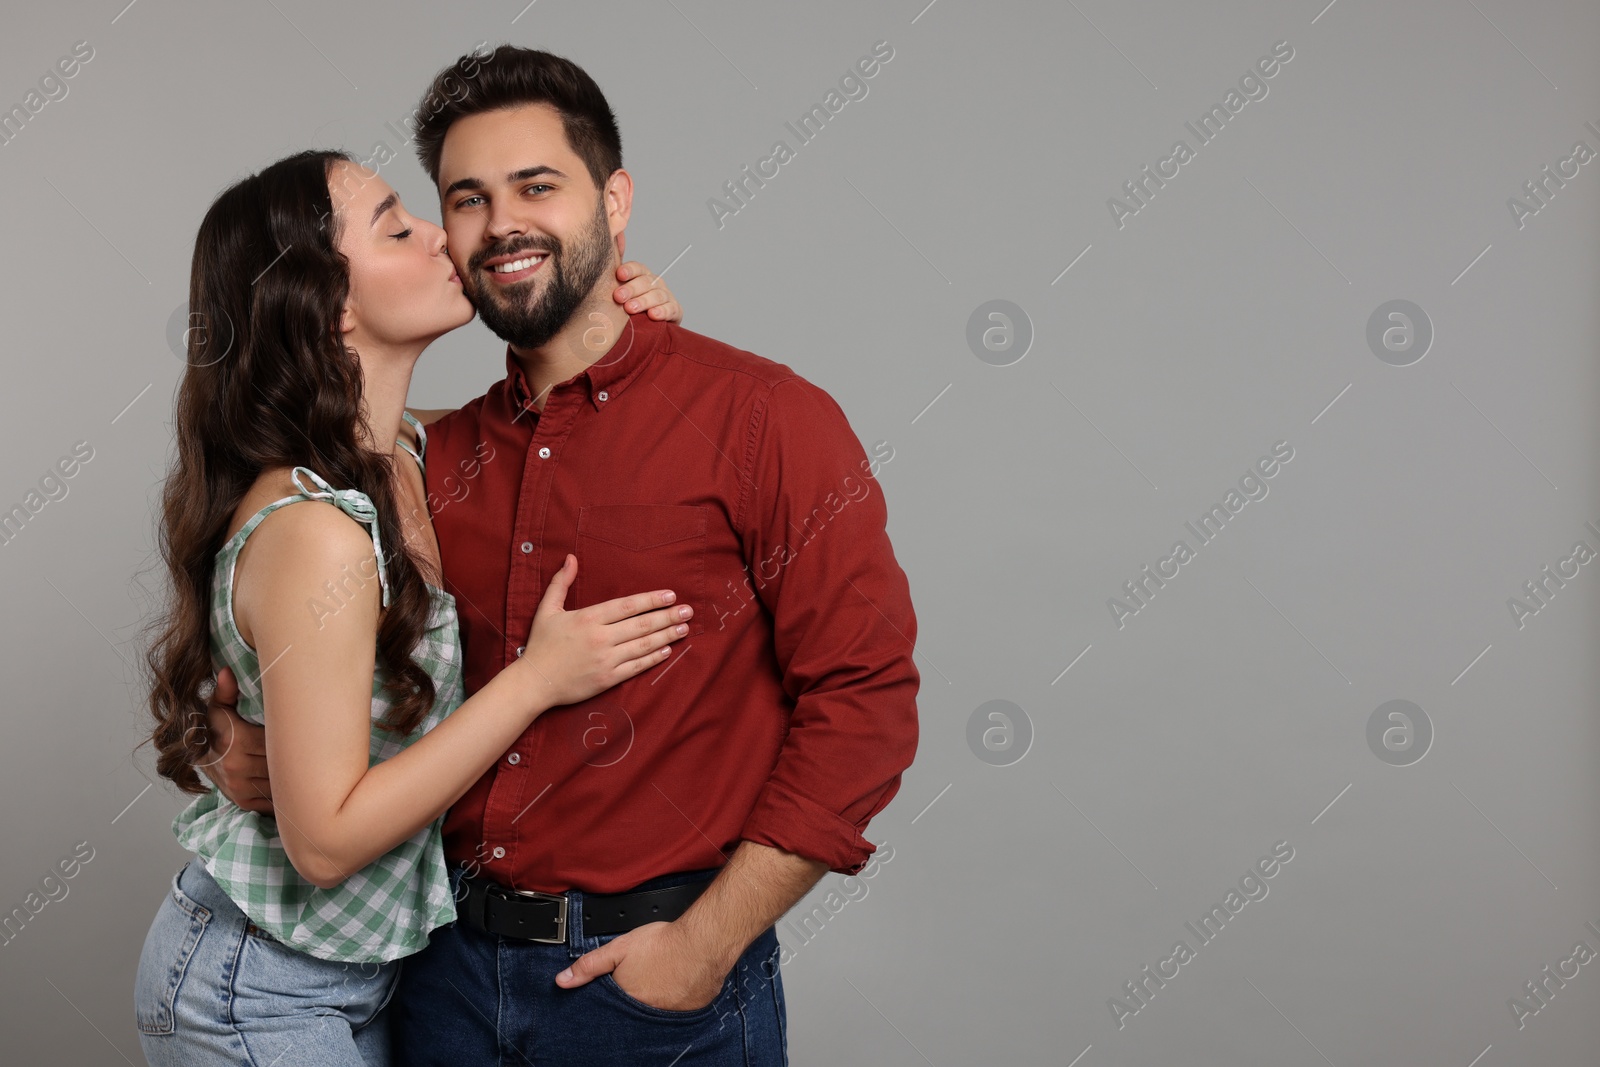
(530, 915)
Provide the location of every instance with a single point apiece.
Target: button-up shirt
(787, 713)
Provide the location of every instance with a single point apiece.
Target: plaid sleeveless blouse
(387, 909)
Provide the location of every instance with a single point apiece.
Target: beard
(522, 314)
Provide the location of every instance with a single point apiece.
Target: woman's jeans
(212, 989)
(472, 997)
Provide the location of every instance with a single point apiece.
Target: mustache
(547, 247)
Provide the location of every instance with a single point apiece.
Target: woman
(285, 938)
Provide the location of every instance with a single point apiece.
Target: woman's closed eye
(402, 235)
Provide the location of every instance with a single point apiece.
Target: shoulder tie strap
(422, 441)
(354, 503)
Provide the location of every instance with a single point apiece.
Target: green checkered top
(386, 909)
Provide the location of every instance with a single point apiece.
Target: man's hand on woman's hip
(237, 760)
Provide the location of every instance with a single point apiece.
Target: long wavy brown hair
(269, 384)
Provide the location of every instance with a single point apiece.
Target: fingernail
(565, 976)
(685, 611)
(668, 597)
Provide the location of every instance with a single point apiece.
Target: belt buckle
(561, 915)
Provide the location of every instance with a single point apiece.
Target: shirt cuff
(784, 819)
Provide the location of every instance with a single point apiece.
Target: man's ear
(622, 242)
(618, 194)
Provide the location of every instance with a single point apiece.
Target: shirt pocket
(624, 549)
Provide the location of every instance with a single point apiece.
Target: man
(619, 872)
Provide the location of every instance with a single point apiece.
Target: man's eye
(468, 201)
(541, 185)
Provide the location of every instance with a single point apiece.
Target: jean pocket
(694, 1014)
(609, 981)
(624, 549)
(164, 961)
(273, 979)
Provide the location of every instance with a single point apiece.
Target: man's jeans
(472, 998)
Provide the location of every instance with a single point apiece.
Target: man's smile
(508, 269)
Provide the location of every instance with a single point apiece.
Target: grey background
(1229, 314)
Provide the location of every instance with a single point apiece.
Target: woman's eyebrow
(383, 205)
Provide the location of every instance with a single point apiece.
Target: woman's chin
(464, 314)
(449, 325)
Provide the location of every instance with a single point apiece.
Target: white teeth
(516, 265)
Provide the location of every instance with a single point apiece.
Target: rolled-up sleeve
(813, 524)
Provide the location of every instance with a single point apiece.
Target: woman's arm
(335, 814)
(429, 416)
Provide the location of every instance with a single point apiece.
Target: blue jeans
(212, 989)
(472, 997)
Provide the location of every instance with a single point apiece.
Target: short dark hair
(511, 77)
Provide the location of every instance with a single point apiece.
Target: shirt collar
(641, 338)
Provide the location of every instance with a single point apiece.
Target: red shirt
(787, 713)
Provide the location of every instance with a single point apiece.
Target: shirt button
(521, 649)
(513, 759)
(527, 546)
(498, 853)
(544, 453)
(604, 395)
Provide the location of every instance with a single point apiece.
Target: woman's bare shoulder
(269, 486)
